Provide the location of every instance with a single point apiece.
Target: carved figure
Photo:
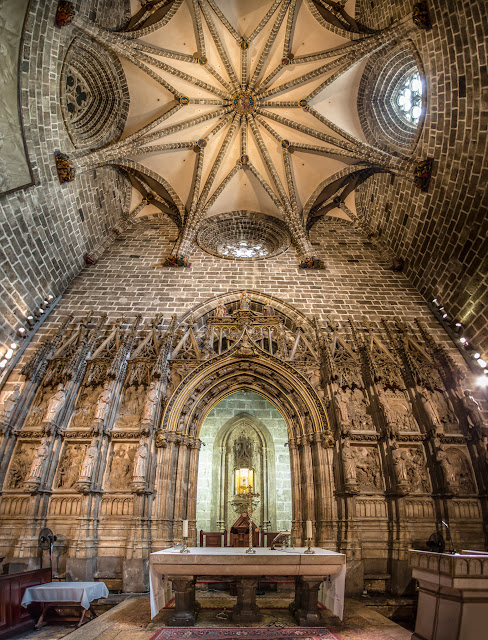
(368, 467)
(399, 464)
(341, 408)
(55, 404)
(349, 462)
(103, 402)
(245, 301)
(268, 310)
(70, 466)
(121, 466)
(140, 461)
(149, 403)
(8, 405)
(221, 310)
(447, 468)
(89, 460)
(472, 409)
(432, 417)
(19, 466)
(359, 410)
(40, 457)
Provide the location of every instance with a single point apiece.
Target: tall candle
(185, 528)
(309, 529)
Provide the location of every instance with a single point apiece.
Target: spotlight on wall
(9, 354)
(481, 362)
(435, 301)
(14, 345)
(3, 364)
(482, 381)
(462, 340)
(476, 355)
(50, 297)
(21, 332)
(444, 315)
(30, 320)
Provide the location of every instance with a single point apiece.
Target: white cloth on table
(160, 591)
(78, 592)
(331, 592)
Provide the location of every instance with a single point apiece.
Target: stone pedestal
(80, 569)
(186, 609)
(305, 608)
(453, 595)
(135, 575)
(246, 609)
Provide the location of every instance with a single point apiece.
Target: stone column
(191, 505)
(246, 609)
(296, 527)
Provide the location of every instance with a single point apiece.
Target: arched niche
(244, 415)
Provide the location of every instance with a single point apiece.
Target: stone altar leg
(305, 608)
(185, 605)
(246, 609)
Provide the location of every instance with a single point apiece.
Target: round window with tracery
(409, 98)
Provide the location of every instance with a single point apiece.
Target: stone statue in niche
(399, 463)
(149, 403)
(140, 467)
(448, 471)
(54, 406)
(368, 467)
(88, 463)
(349, 463)
(433, 421)
(37, 466)
(130, 410)
(121, 466)
(342, 413)
(8, 407)
(102, 405)
(70, 466)
(20, 464)
(472, 408)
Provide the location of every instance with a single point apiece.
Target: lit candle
(185, 528)
(309, 529)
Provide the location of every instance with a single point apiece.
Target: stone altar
(453, 595)
(309, 571)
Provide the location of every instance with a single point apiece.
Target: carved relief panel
(69, 466)
(21, 464)
(368, 467)
(120, 467)
(398, 412)
(131, 408)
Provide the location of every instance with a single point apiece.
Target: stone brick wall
(357, 282)
(46, 229)
(442, 235)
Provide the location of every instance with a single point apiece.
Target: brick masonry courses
(357, 282)
(443, 234)
(45, 229)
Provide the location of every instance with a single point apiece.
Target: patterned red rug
(251, 633)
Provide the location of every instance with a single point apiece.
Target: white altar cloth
(79, 592)
(234, 561)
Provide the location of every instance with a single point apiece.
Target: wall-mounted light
(3, 364)
(481, 362)
(30, 320)
(21, 332)
(463, 340)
